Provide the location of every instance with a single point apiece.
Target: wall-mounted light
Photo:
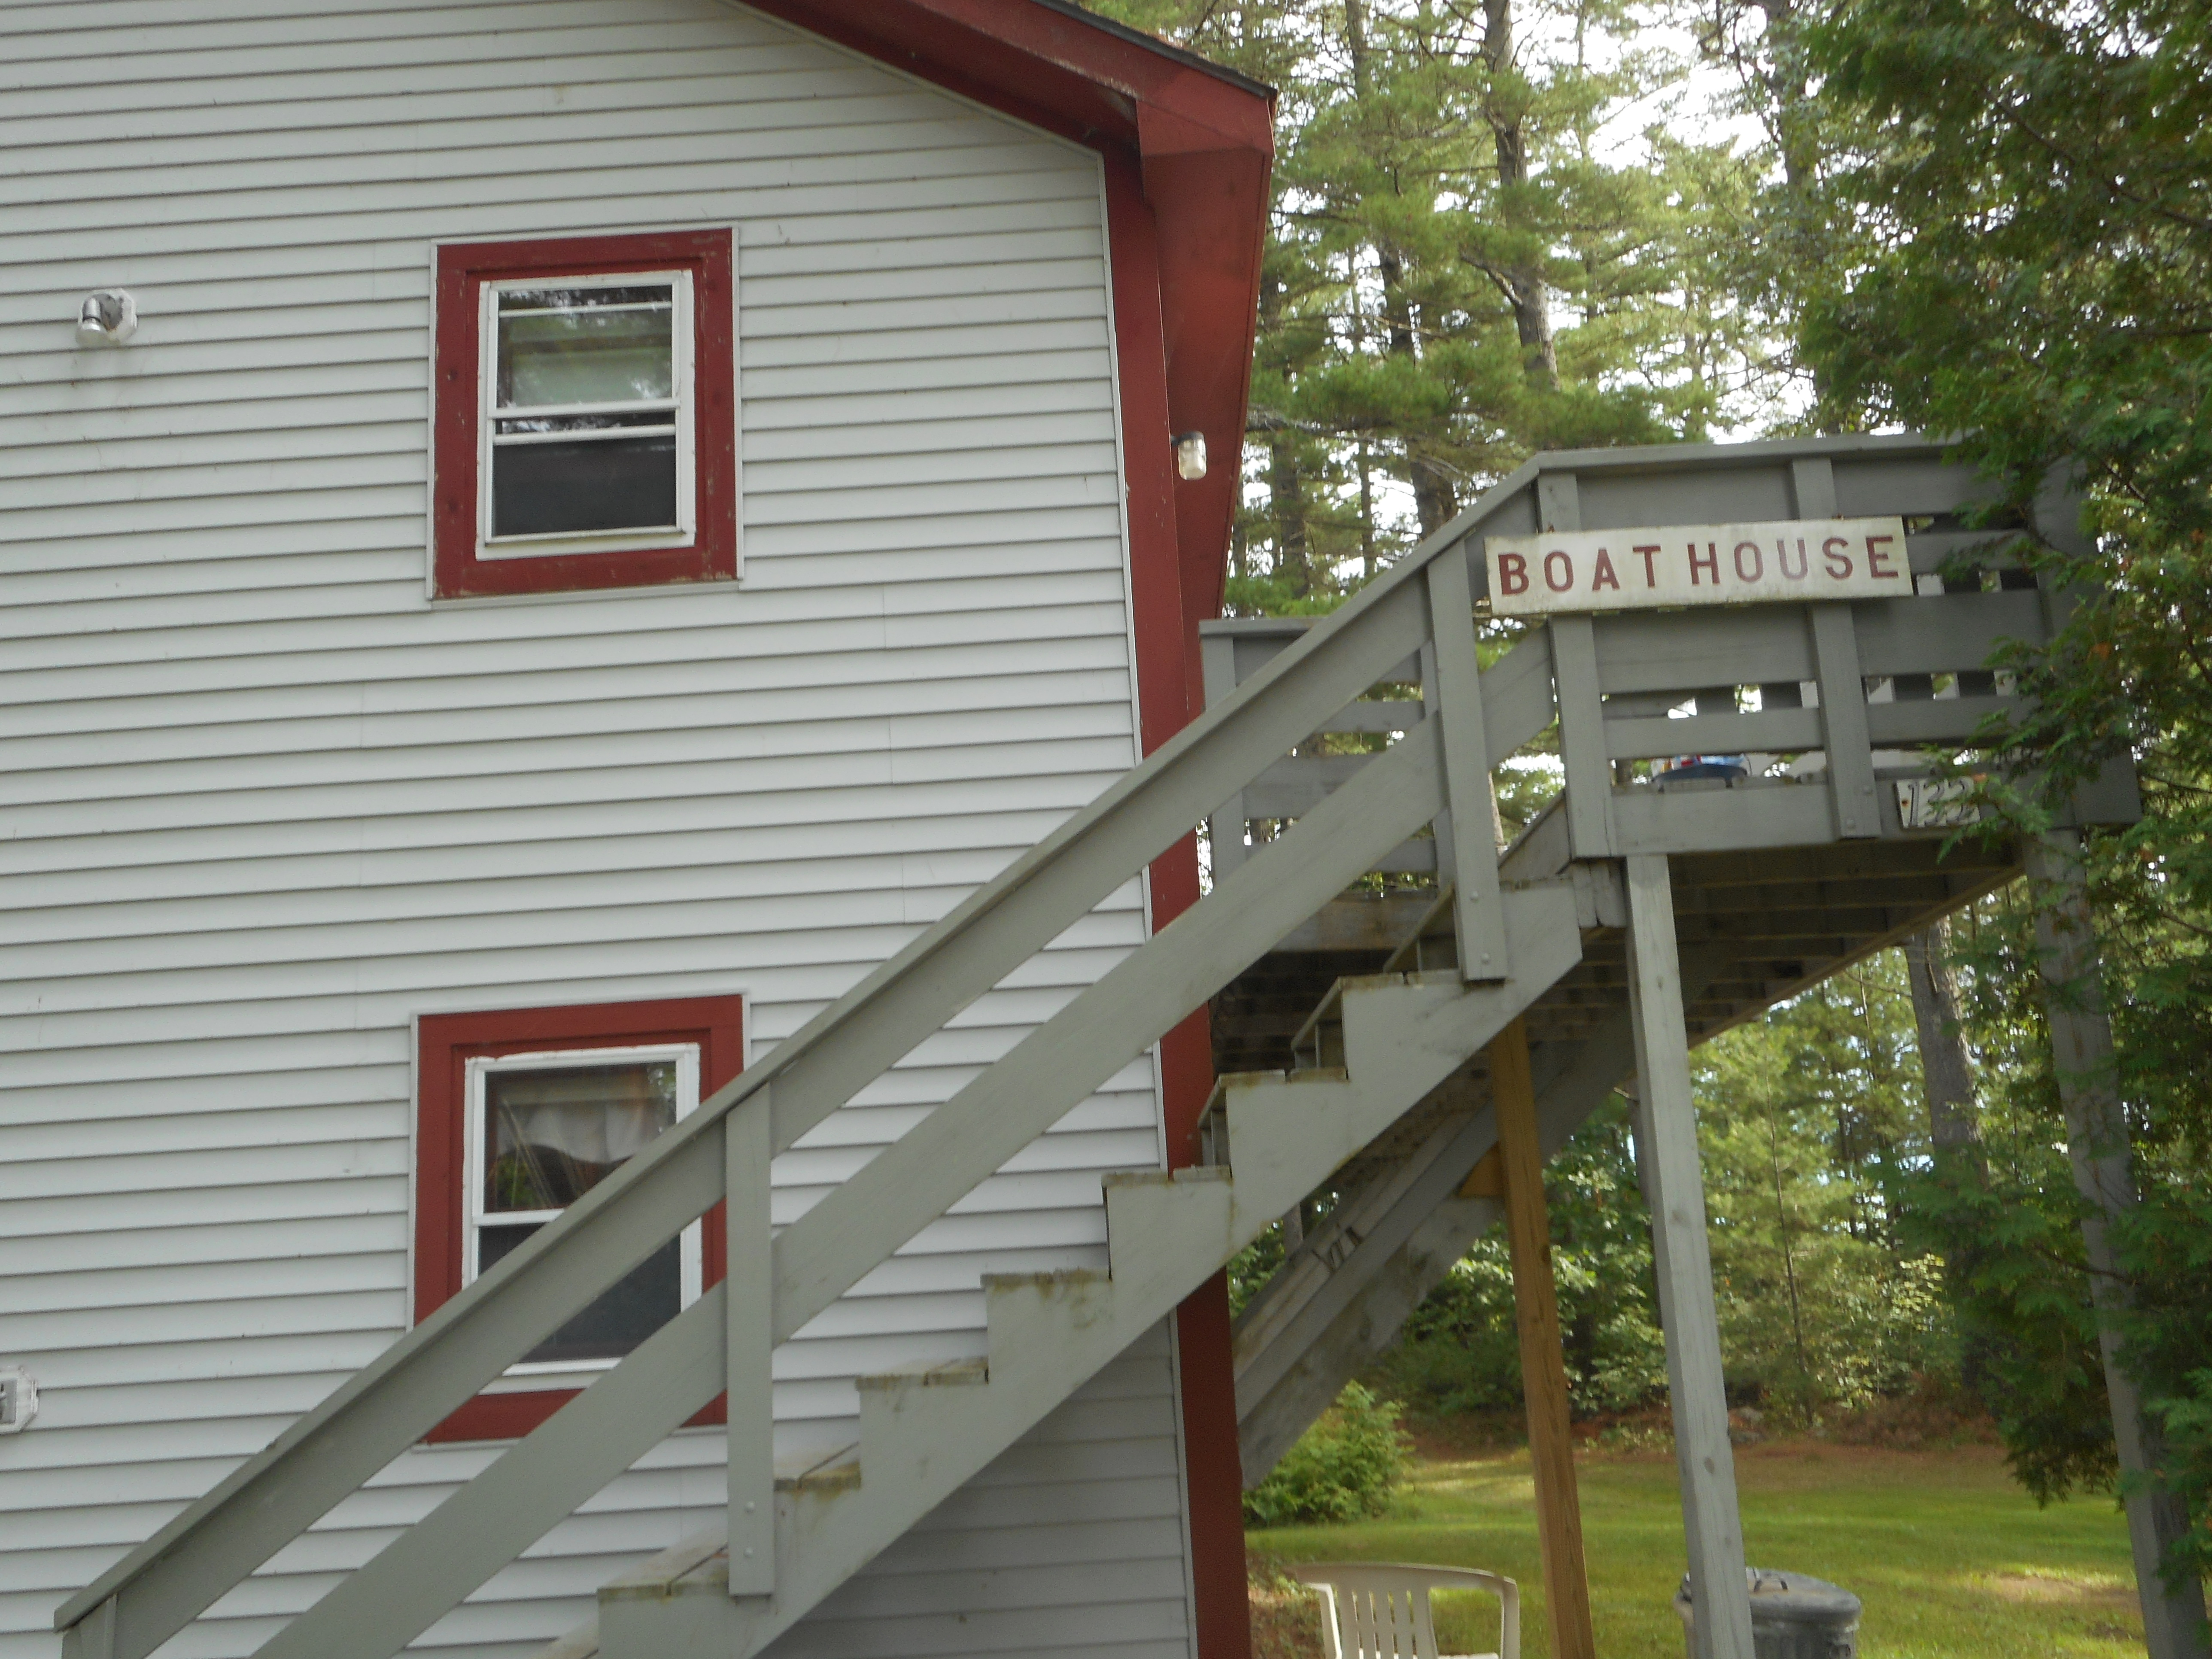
(108, 317)
(1190, 455)
(19, 1399)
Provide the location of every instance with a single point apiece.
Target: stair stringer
(1048, 1333)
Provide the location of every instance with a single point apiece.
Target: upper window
(585, 432)
(519, 1113)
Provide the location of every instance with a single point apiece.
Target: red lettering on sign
(1757, 561)
(1875, 565)
(1602, 576)
(1648, 554)
(1512, 573)
(1711, 565)
(1782, 558)
(1558, 584)
(1831, 551)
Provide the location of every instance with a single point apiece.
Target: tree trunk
(1952, 1120)
(1434, 500)
(1531, 295)
(1954, 1124)
(1286, 503)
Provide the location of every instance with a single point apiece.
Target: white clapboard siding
(261, 803)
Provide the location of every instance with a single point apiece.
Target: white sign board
(1696, 564)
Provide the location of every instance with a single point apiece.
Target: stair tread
(1305, 1074)
(1190, 1175)
(1052, 1276)
(929, 1374)
(818, 1469)
(657, 1573)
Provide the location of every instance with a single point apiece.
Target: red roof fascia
(1204, 140)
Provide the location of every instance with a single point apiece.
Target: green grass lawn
(1950, 1558)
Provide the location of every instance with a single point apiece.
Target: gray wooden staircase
(1317, 788)
(924, 1433)
(794, 1534)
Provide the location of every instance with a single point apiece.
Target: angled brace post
(750, 1278)
(1465, 832)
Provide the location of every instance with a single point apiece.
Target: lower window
(523, 1111)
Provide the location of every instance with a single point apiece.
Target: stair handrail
(431, 1371)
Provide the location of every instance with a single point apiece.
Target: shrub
(1342, 1468)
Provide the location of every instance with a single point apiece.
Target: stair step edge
(819, 1470)
(657, 1574)
(929, 1374)
(1190, 1176)
(1249, 1080)
(1056, 1276)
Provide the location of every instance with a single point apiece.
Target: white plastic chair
(1380, 1610)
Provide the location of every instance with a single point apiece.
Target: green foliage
(1342, 1468)
(1809, 1118)
(2029, 190)
(1458, 1351)
(1809, 1126)
(1465, 266)
(2015, 1216)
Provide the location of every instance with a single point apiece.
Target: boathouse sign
(1796, 560)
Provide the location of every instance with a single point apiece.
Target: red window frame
(444, 1043)
(457, 377)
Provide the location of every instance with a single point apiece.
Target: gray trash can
(1793, 1616)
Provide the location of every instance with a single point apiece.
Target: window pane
(586, 346)
(634, 1308)
(576, 486)
(551, 1136)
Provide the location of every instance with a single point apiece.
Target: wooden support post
(1667, 1150)
(2097, 1146)
(1543, 1368)
(749, 1278)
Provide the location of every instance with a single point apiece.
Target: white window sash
(684, 533)
(692, 1255)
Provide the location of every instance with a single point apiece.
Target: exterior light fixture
(1190, 455)
(19, 1399)
(108, 317)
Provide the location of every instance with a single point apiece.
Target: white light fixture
(1190, 455)
(19, 1399)
(108, 317)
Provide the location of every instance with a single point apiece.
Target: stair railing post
(1581, 697)
(1666, 1133)
(1836, 669)
(2083, 1066)
(749, 1270)
(1224, 828)
(1467, 838)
